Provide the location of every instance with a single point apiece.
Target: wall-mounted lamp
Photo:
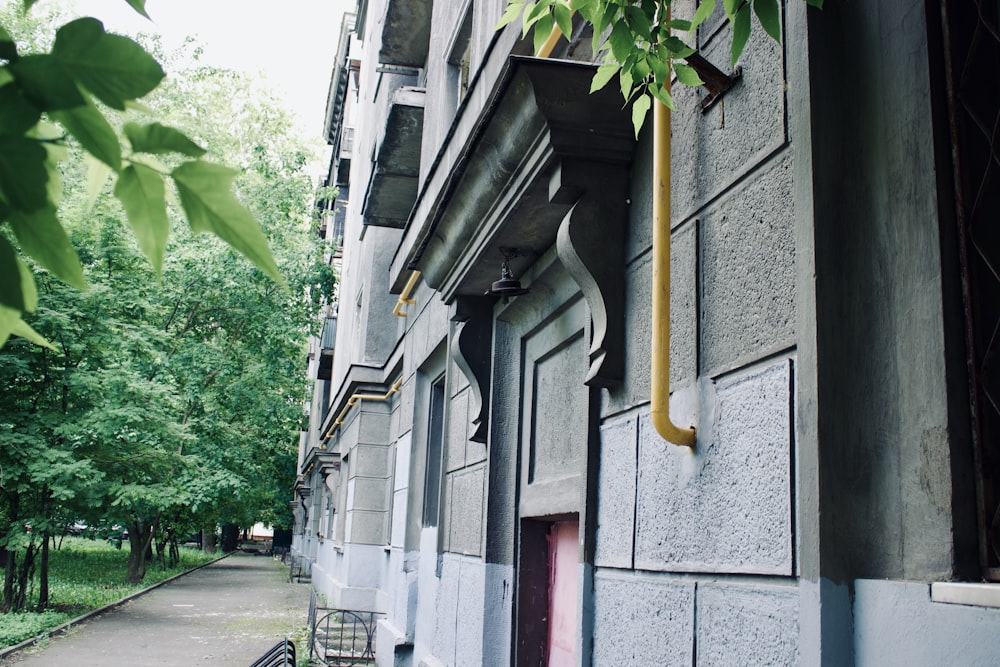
(507, 286)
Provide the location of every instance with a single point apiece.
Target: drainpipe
(659, 373)
(659, 395)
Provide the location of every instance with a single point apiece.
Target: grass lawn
(83, 575)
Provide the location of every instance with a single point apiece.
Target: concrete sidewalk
(228, 613)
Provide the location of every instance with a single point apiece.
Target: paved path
(228, 613)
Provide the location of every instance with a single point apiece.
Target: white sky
(292, 43)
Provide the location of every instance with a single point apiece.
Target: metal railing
(341, 637)
(281, 654)
(299, 569)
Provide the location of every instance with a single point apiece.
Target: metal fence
(341, 637)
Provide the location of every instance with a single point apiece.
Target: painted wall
(896, 623)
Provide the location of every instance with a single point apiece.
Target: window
(435, 442)
(460, 59)
(974, 112)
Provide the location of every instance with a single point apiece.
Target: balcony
(328, 338)
(393, 186)
(406, 33)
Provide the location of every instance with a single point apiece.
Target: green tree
(175, 399)
(71, 93)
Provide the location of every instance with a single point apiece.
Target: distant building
(484, 466)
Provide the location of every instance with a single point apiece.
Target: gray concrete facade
(814, 345)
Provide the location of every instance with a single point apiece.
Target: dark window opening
(973, 54)
(435, 442)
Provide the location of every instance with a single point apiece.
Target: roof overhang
(542, 143)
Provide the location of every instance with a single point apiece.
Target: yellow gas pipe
(659, 392)
(357, 398)
(659, 395)
(405, 298)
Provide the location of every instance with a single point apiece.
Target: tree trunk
(175, 552)
(137, 552)
(10, 562)
(230, 537)
(24, 576)
(10, 566)
(43, 575)
(161, 547)
(208, 542)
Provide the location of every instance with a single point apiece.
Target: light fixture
(507, 286)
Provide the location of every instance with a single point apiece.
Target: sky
(292, 43)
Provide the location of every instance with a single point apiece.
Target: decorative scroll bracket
(471, 348)
(591, 245)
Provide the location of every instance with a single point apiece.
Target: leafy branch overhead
(46, 98)
(641, 42)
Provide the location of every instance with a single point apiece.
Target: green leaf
(677, 47)
(21, 328)
(601, 18)
(210, 206)
(132, 105)
(626, 82)
(731, 7)
(11, 291)
(533, 13)
(687, 75)
(641, 69)
(161, 139)
(639, 22)
(705, 9)
(157, 166)
(54, 154)
(577, 5)
(639, 109)
(815, 3)
(141, 192)
(741, 32)
(17, 114)
(139, 6)
(112, 67)
(679, 24)
(97, 176)
(23, 176)
(46, 82)
(564, 19)
(94, 133)
(29, 291)
(512, 12)
(768, 14)
(622, 40)
(604, 74)
(661, 69)
(543, 28)
(43, 238)
(8, 48)
(9, 318)
(663, 95)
